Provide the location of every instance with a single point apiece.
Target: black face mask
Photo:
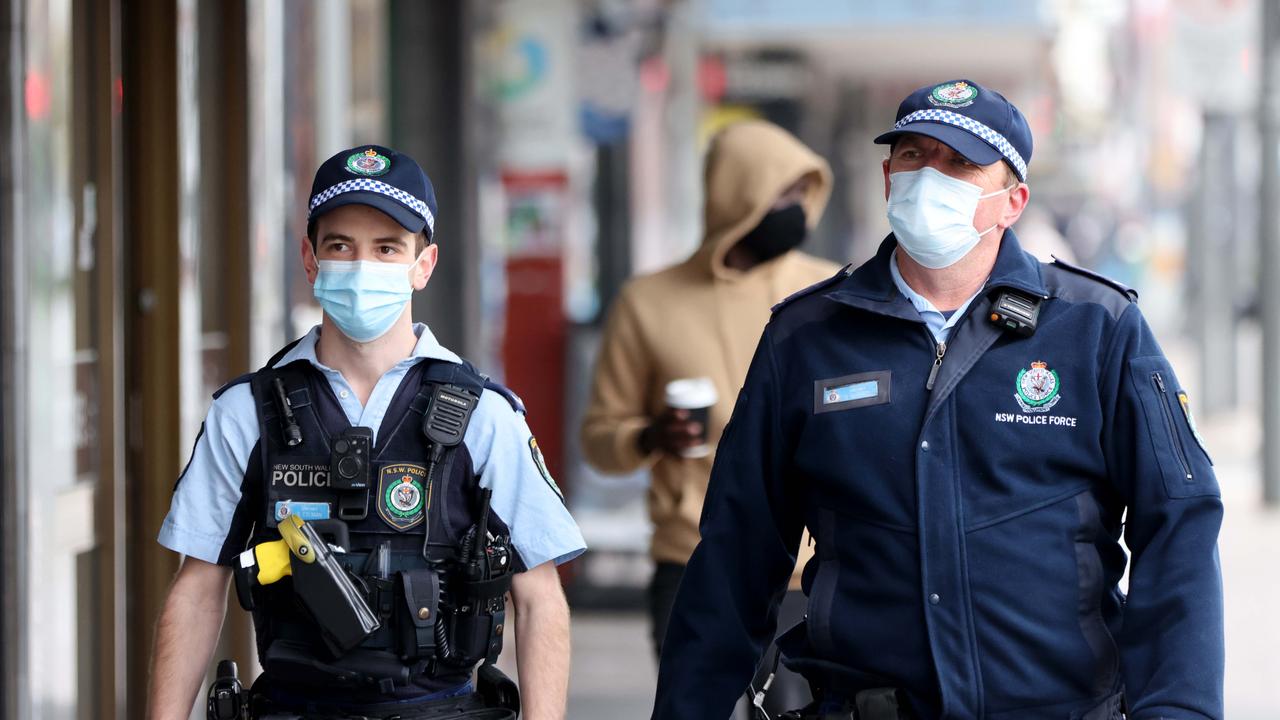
(778, 232)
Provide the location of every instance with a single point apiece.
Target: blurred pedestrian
(698, 322)
(969, 434)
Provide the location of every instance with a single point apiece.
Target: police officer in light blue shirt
(452, 482)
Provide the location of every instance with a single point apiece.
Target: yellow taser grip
(274, 558)
(273, 561)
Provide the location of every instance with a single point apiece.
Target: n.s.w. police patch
(403, 495)
(541, 463)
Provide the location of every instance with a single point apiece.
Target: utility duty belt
(431, 617)
(496, 698)
(890, 704)
(872, 704)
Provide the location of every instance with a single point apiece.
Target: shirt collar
(427, 348)
(921, 302)
(874, 281)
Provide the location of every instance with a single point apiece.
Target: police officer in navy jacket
(969, 434)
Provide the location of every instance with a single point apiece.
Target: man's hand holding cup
(681, 429)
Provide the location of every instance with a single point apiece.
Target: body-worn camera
(349, 459)
(1016, 312)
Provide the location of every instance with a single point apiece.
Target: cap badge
(368, 163)
(954, 95)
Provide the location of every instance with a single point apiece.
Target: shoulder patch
(516, 403)
(541, 463)
(1114, 284)
(845, 272)
(242, 379)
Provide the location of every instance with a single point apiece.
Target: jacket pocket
(822, 594)
(1091, 582)
(1168, 421)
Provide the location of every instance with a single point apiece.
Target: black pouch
(497, 690)
(417, 602)
(327, 591)
(476, 627)
(294, 663)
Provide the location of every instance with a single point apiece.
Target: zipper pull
(1159, 380)
(937, 363)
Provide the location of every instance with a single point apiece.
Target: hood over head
(748, 166)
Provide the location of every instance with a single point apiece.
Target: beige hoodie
(700, 319)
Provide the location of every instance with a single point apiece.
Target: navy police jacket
(969, 535)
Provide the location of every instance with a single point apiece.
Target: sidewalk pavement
(1249, 547)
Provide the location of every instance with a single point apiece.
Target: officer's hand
(672, 433)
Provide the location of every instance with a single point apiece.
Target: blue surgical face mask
(364, 298)
(932, 213)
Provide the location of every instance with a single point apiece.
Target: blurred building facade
(158, 156)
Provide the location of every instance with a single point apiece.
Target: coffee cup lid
(690, 393)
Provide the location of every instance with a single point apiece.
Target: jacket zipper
(1158, 379)
(940, 346)
(941, 349)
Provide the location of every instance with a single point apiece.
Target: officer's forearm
(186, 635)
(542, 642)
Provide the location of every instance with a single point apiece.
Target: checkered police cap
(381, 178)
(979, 124)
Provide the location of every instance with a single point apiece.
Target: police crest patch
(541, 463)
(1037, 388)
(954, 95)
(1185, 402)
(368, 163)
(402, 498)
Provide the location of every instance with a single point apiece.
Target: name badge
(851, 391)
(304, 510)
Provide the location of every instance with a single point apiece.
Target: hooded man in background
(702, 318)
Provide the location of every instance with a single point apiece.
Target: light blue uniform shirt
(209, 490)
(939, 325)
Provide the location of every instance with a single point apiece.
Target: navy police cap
(381, 178)
(976, 122)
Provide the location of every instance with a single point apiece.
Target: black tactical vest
(409, 539)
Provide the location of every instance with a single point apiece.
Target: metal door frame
(13, 546)
(111, 687)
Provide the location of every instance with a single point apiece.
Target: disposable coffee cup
(697, 396)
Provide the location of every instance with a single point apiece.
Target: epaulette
(1115, 284)
(242, 379)
(282, 352)
(516, 403)
(845, 272)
